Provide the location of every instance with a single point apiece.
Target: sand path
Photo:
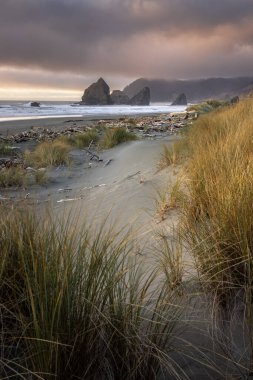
(124, 191)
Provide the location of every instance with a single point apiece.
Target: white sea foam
(23, 111)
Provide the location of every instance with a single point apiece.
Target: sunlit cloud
(65, 45)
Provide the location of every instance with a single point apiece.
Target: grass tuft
(82, 140)
(7, 150)
(116, 136)
(40, 177)
(13, 176)
(49, 153)
(170, 198)
(173, 155)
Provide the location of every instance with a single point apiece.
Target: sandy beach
(122, 188)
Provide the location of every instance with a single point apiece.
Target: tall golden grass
(49, 153)
(218, 215)
(115, 136)
(77, 306)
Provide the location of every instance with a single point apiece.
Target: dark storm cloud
(127, 37)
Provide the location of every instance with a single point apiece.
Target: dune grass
(13, 176)
(82, 140)
(208, 106)
(6, 149)
(175, 154)
(169, 198)
(218, 215)
(49, 153)
(40, 177)
(77, 306)
(115, 136)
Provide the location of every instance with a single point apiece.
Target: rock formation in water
(142, 98)
(35, 104)
(97, 94)
(180, 100)
(119, 97)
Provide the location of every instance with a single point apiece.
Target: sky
(53, 49)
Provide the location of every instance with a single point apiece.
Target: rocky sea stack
(98, 93)
(142, 98)
(119, 97)
(180, 100)
(35, 104)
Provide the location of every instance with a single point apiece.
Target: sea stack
(119, 97)
(35, 104)
(180, 100)
(97, 93)
(142, 98)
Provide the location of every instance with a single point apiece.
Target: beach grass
(169, 198)
(40, 177)
(82, 140)
(218, 218)
(115, 136)
(13, 176)
(175, 154)
(6, 149)
(78, 306)
(207, 106)
(49, 153)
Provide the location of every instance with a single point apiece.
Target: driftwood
(108, 162)
(93, 155)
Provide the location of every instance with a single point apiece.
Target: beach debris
(4, 198)
(64, 190)
(93, 187)
(43, 134)
(69, 199)
(108, 162)
(143, 126)
(93, 155)
(102, 185)
(7, 162)
(30, 169)
(133, 175)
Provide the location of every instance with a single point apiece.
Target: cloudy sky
(55, 48)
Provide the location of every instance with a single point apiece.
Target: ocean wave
(24, 111)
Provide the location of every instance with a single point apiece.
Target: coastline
(17, 126)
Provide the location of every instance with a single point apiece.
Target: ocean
(18, 110)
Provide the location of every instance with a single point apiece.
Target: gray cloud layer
(128, 38)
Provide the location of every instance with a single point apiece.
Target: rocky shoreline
(145, 127)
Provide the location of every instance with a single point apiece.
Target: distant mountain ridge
(195, 90)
